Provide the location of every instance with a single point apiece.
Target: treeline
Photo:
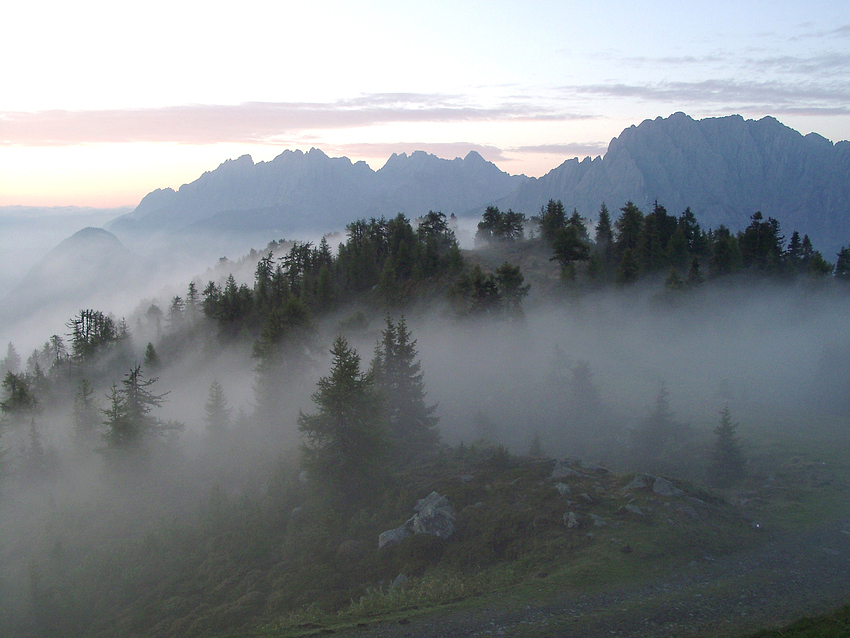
(638, 244)
(387, 256)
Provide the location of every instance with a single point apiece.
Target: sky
(104, 102)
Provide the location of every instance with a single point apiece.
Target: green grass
(834, 625)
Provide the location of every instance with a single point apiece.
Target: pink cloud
(254, 122)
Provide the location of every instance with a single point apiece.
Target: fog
(581, 371)
(28, 233)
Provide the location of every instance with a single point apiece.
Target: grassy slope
(512, 538)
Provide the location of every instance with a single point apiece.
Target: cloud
(576, 149)
(253, 122)
(779, 97)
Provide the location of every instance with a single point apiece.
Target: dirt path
(774, 584)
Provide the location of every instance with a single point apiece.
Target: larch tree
(128, 416)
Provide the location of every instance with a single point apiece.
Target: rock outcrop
(434, 516)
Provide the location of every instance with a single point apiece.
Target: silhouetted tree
(151, 361)
(345, 440)
(398, 375)
(20, 403)
(653, 436)
(509, 281)
(91, 332)
(128, 419)
(552, 217)
(842, 264)
(496, 225)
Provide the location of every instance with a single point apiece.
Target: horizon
(87, 120)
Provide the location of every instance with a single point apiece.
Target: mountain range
(298, 192)
(724, 168)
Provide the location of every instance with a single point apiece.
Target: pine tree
(727, 461)
(398, 375)
(345, 440)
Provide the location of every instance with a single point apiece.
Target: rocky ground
(790, 575)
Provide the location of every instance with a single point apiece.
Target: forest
(224, 459)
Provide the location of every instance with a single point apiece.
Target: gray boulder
(562, 469)
(434, 516)
(563, 488)
(392, 536)
(572, 520)
(639, 482)
(663, 487)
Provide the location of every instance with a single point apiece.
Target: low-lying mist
(580, 373)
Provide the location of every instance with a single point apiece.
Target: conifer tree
(727, 461)
(20, 403)
(85, 414)
(604, 237)
(128, 419)
(511, 290)
(12, 361)
(151, 360)
(655, 434)
(283, 353)
(842, 264)
(552, 217)
(216, 412)
(345, 440)
(398, 375)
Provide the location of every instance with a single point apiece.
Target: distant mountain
(28, 232)
(310, 191)
(89, 268)
(724, 168)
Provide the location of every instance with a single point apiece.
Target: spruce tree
(344, 440)
(152, 361)
(12, 361)
(727, 461)
(398, 375)
(216, 412)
